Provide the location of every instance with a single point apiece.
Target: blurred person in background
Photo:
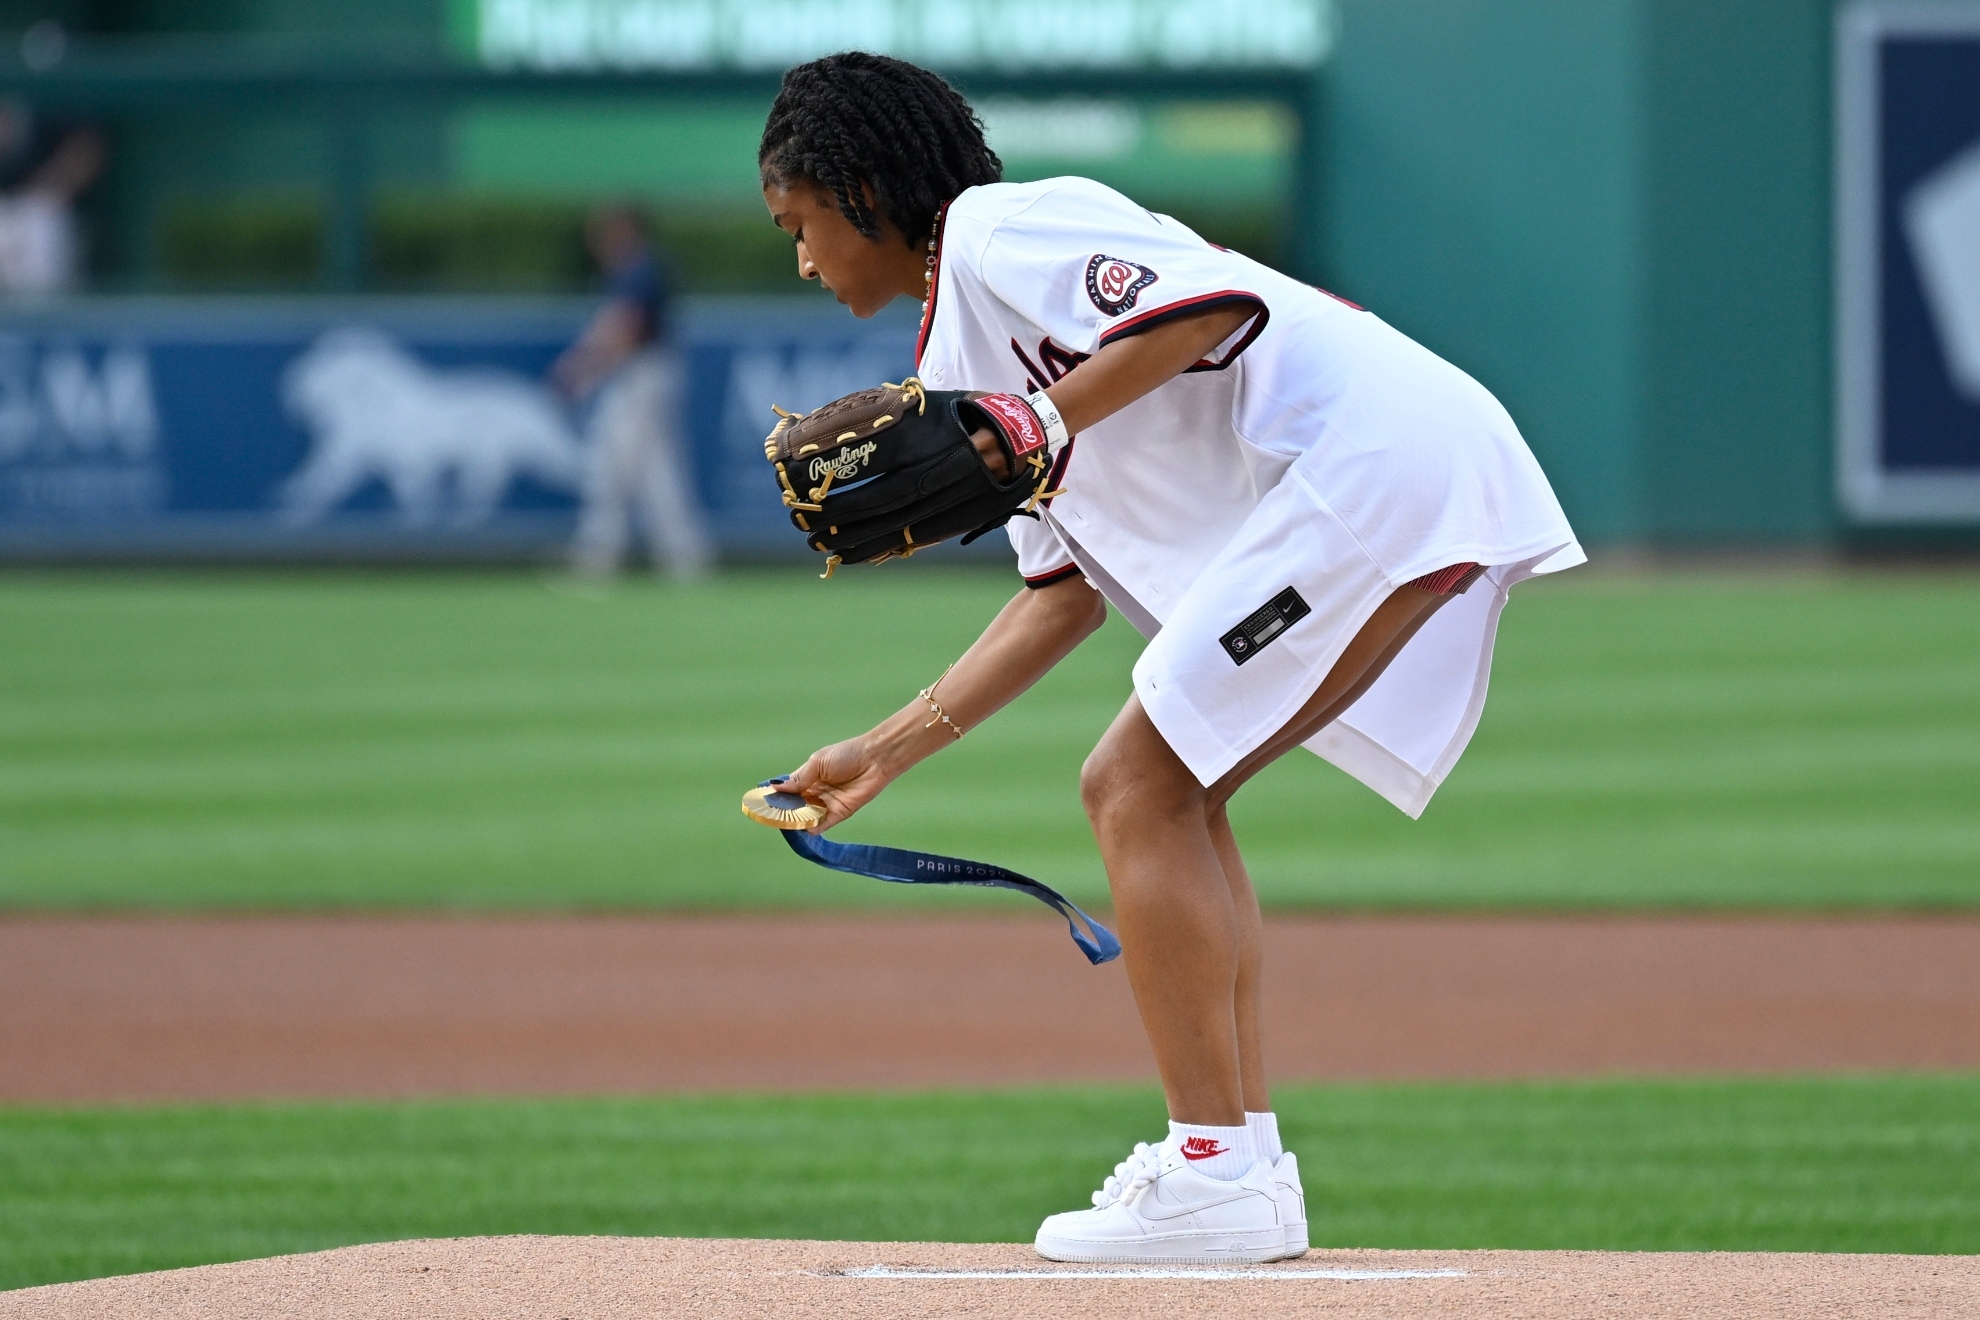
(624, 363)
(45, 165)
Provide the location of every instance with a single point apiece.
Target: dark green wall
(384, 18)
(1737, 439)
(248, 155)
(1481, 196)
(1614, 213)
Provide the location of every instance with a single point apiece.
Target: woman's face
(863, 273)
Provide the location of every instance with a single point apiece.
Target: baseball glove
(882, 473)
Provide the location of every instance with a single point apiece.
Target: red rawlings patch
(1021, 425)
(1113, 284)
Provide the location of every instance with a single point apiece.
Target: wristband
(1056, 435)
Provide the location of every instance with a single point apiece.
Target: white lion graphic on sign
(445, 443)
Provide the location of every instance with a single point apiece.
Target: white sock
(1265, 1135)
(1223, 1153)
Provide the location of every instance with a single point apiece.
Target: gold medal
(770, 805)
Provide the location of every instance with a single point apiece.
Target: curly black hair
(857, 118)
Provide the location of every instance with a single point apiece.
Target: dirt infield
(603, 1278)
(131, 1008)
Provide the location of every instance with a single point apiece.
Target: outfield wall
(1616, 215)
(376, 428)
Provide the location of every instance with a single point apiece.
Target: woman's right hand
(841, 778)
(1026, 639)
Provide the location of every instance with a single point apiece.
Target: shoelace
(1130, 1175)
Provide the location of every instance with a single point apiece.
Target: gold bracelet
(941, 716)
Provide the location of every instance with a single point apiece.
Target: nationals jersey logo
(1113, 284)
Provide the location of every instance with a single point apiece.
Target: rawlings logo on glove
(881, 473)
(845, 464)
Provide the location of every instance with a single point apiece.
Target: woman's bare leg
(1248, 1006)
(1179, 923)
(1188, 917)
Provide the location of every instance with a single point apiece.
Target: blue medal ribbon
(904, 866)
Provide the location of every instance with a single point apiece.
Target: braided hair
(857, 118)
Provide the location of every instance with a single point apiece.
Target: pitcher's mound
(600, 1278)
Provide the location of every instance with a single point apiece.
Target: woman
(1315, 520)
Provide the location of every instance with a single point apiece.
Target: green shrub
(247, 242)
(475, 244)
(455, 243)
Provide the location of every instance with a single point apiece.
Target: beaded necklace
(928, 274)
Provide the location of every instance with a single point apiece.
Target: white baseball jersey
(1315, 461)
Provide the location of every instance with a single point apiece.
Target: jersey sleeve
(1042, 556)
(1090, 267)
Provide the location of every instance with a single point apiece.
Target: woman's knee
(1122, 782)
(1099, 782)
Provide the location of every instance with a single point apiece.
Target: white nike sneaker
(1156, 1208)
(1292, 1203)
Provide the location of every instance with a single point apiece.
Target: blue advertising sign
(1908, 261)
(378, 427)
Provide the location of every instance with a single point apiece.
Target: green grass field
(318, 741)
(338, 740)
(1860, 1164)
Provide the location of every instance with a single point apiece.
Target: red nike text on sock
(1223, 1153)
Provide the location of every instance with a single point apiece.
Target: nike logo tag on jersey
(1202, 1148)
(1264, 626)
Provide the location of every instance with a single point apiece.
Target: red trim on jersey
(1450, 581)
(1052, 578)
(928, 312)
(1202, 302)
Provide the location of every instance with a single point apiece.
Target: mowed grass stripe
(349, 740)
(1856, 1164)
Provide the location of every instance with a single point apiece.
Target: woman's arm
(1038, 628)
(1030, 635)
(1125, 370)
